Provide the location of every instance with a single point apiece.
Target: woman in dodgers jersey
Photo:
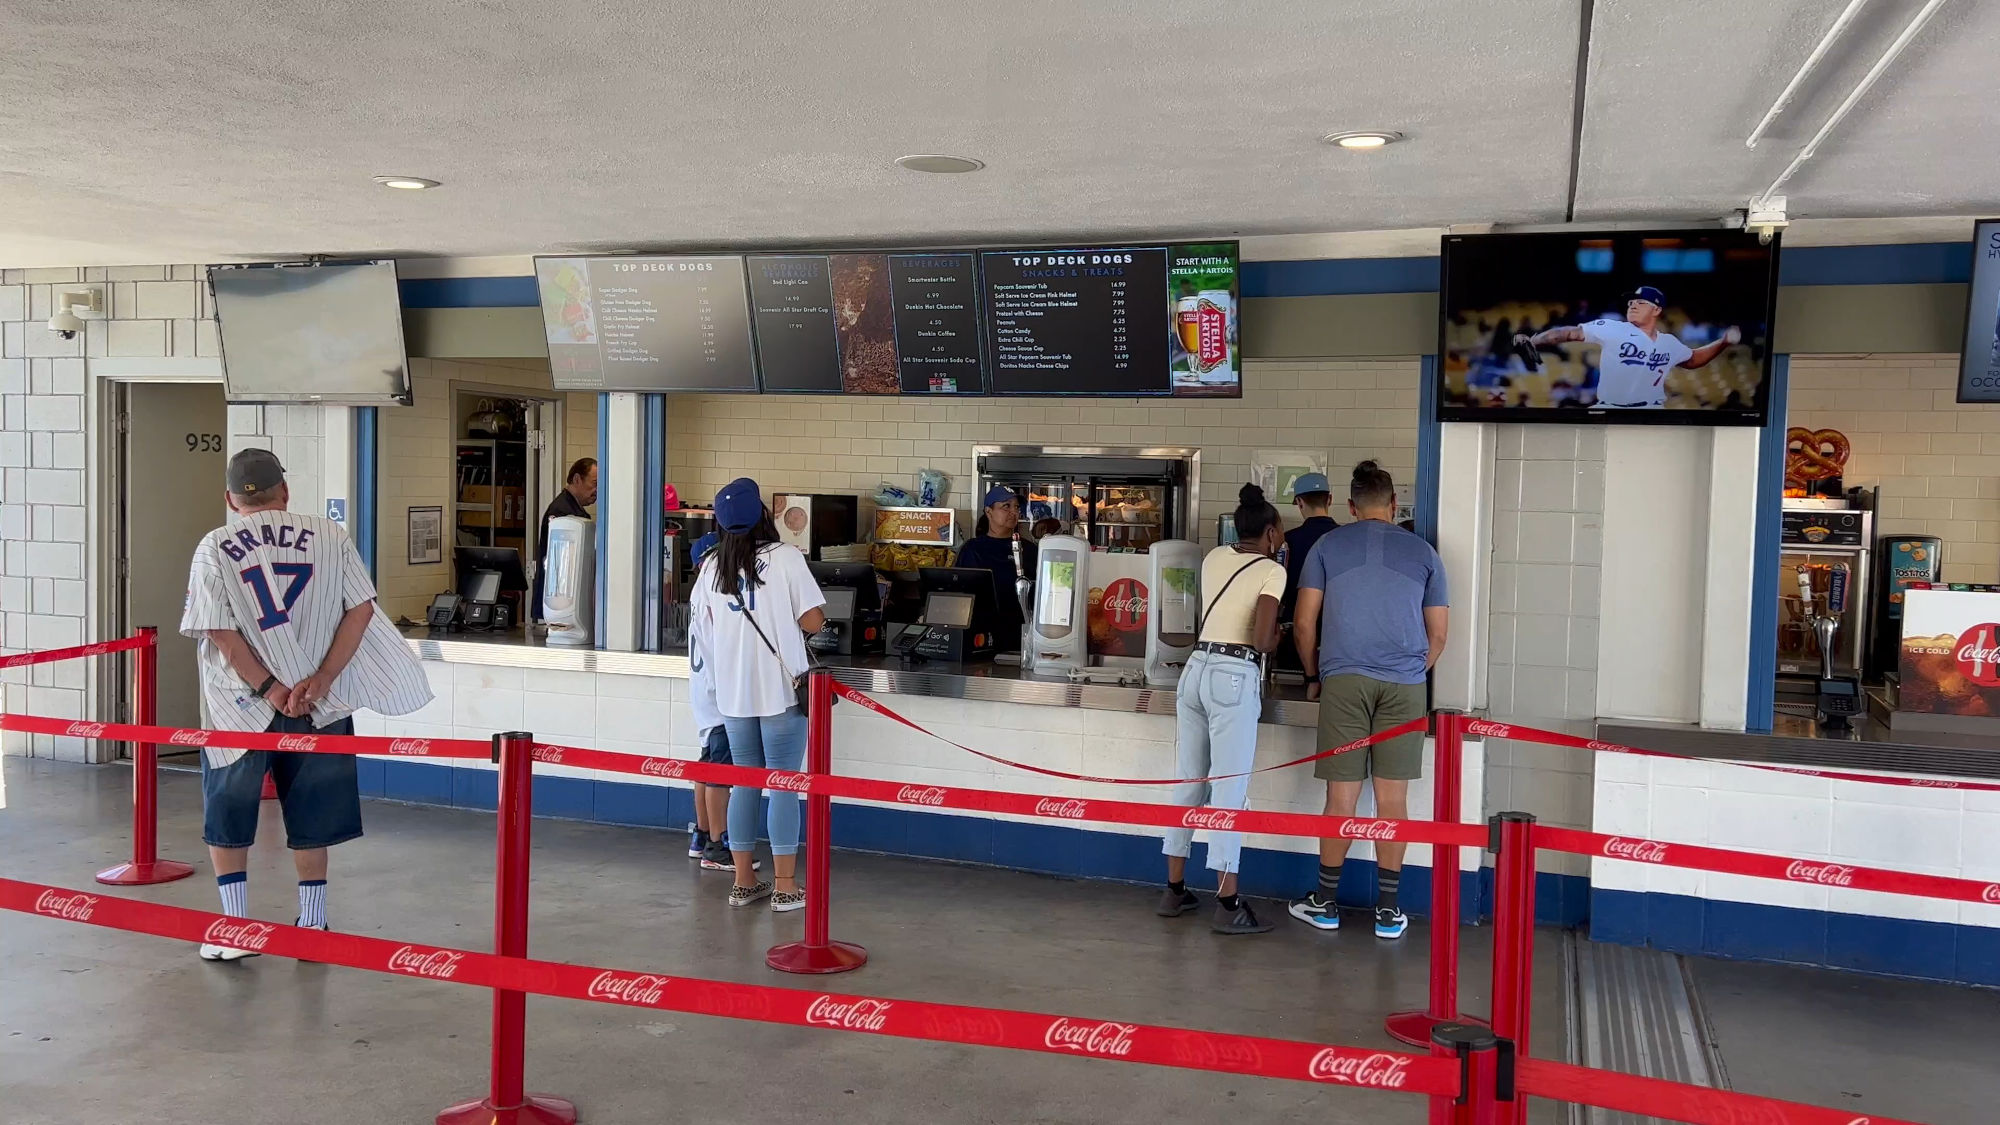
(1634, 354)
(754, 600)
(291, 641)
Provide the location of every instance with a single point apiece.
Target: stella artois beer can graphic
(1950, 658)
(1202, 280)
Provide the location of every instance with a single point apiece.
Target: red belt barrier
(99, 648)
(1489, 729)
(872, 704)
(1657, 1097)
(1313, 825)
(909, 1019)
(253, 740)
(1824, 873)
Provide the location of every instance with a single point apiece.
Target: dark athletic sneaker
(718, 858)
(1241, 920)
(1174, 905)
(1315, 911)
(1390, 923)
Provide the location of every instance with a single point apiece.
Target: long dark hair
(1253, 513)
(735, 556)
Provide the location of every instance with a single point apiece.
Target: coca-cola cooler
(1116, 498)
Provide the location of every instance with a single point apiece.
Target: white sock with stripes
(235, 889)
(312, 902)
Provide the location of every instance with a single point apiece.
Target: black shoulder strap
(1206, 610)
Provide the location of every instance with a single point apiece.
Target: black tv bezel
(979, 316)
(749, 315)
(409, 392)
(1757, 415)
(1965, 334)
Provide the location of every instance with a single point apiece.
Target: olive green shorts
(1352, 707)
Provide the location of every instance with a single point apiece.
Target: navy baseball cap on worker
(1310, 482)
(1648, 293)
(739, 507)
(254, 472)
(1000, 494)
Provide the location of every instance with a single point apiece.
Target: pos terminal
(853, 609)
(960, 612)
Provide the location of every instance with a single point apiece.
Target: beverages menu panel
(647, 324)
(1077, 322)
(868, 323)
(936, 298)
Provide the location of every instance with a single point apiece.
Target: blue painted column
(1761, 690)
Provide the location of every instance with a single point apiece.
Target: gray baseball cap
(254, 471)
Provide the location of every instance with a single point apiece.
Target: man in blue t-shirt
(1370, 616)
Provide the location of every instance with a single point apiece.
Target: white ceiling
(240, 129)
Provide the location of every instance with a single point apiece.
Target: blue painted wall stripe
(1760, 692)
(1912, 263)
(469, 292)
(1429, 441)
(361, 519)
(1325, 276)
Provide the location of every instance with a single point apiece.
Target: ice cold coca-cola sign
(1978, 654)
(1125, 605)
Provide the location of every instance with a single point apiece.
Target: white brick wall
(1936, 460)
(44, 517)
(1353, 409)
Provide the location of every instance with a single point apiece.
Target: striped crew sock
(312, 902)
(235, 888)
(1388, 881)
(1329, 882)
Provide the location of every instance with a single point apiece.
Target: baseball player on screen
(291, 641)
(1637, 355)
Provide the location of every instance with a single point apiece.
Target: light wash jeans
(776, 742)
(1216, 707)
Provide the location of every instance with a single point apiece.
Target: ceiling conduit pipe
(1819, 52)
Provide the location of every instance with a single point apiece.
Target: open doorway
(171, 453)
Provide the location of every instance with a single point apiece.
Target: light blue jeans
(1217, 705)
(776, 742)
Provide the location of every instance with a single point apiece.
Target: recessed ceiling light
(934, 163)
(1363, 138)
(406, 183)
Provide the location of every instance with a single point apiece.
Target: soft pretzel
(1812, 455)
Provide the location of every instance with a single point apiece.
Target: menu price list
(791, 298)
(648, 324)
(937, 323)
(1080, 322)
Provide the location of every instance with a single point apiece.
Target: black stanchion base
(833, 957)
(539, 1109)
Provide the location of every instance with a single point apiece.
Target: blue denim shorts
(318, 793)
(715, 749)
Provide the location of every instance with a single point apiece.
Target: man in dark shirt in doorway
(1313, 497)
(578, 494)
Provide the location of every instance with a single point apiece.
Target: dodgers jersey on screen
(1632, 369)
(284, 580)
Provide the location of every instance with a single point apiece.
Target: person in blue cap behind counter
(992, 548)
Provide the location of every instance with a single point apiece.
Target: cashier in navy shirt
(992, 548)
(1314, 498)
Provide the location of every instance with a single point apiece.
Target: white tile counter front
(649, 715)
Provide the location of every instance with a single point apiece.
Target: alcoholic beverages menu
(867, 323)
(792, 301)
(1077, 322)
(647, 324)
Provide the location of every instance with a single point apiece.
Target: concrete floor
(98, 1026)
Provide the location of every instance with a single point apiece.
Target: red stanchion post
(146, 866)
(507, 1102)
(818, 953)
(1513, 942)
(1485, 1070)
(1416, 1028)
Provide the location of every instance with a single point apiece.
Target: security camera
(65, 324)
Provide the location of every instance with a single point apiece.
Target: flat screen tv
(1645, 327)
(329, 333)
(1979, 361)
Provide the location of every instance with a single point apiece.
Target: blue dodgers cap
(1000, 494)
(739, 507)
(1311, 482)
(702, 546)
(1648, 293)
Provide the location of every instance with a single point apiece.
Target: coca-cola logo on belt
(792, 782)
(552, 755)
(1380, 1070)
(189, 738)
(1071, 809)
(627, 988)
(84, 730)
(849, 1015)
(1220, 819)
(411, 746)
(663, 767)
(1978, 653)
(1125, 604)
(920, 795)
(300, 742)
(70, 908)
(1825, 874)
(1090, 1037)
(238, 934)
(1641, 851)
(1367, 830)
(1484, 729)
(438, 964)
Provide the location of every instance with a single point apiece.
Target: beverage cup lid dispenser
(569, 581)
(1176, 613)
(1060, 630)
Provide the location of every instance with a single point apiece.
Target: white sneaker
(224, 953)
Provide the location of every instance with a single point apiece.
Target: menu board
(867, 323)
(1077, 322)
(647, 324)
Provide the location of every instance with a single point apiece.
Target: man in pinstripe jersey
(291, 641)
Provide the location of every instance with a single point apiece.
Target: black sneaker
(1316, 911)
(1173, 905)
(1390, 923)
(1241, 920)
(718, 858)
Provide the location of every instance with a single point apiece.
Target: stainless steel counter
(1796, 741)
(1284, 705)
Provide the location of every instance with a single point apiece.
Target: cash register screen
(839, 603)
(483, 588)
(950, 609)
